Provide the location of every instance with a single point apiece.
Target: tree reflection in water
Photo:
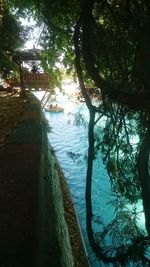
(122, 138)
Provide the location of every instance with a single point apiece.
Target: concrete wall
(52, 177)
(37, 213)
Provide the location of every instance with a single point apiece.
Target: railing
(36, 80)
(32, 80)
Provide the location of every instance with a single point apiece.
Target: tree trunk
(143, 170)
(99, 251)
(22, 93)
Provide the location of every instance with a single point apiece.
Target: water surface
(70, 143)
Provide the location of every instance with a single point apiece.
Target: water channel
(68, 139)
(70, 143)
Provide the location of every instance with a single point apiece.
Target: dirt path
(11, 109)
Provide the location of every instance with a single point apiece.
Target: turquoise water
(66, 137)
(68, 141)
